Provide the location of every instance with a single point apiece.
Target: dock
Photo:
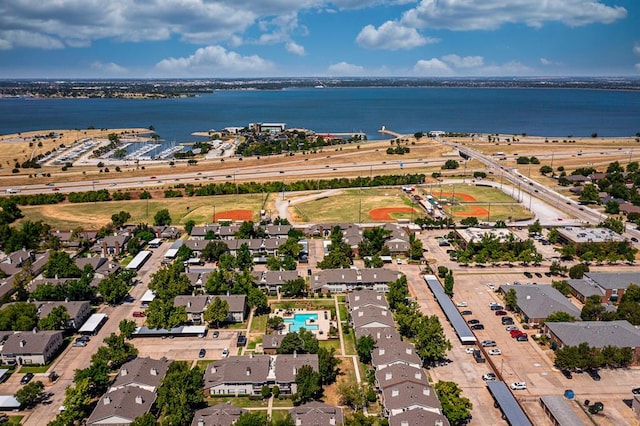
(390, 132)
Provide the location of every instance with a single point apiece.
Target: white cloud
(109, 68)
(512, 68)
(545, 61)
(431, 67)
(20, 38)
(464, 62)
(295, 48)
(215, 61)
(345, 69)
(636, 49)
(465, 15)
(391, 36)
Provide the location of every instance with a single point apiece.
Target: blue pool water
(299, 320)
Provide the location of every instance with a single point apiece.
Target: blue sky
(283, 38)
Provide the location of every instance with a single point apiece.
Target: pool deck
(324, 321)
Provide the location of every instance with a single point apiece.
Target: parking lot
(186, 348)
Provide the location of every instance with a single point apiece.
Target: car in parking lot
(506, 320)
(473, 321)
(477, 327)
(81, 342)
(538, 275)
(202, 353)
(461, 304)
(466, 312)
(518, 386)
(469, 350)
(635, 391)
(489, 377)
(488, 343)
(497, 307)
(528, 274)
(593, 373)
(566, 373)
(491, 286)
(138, 314)
(515, 333)
(500, 313)
(522, 338)
(216, 334)
(495, 351)
(26, 378)
(511, 328)
(634, 239)
(225, 353)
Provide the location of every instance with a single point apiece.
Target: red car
(516, 333)
(138, 314)
(501, 313)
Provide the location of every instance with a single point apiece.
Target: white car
(518, 386)
(495, 351)
(491, 286)
(461, 304)
(511, 328)
(469, 350)
(489, 377)
(225, 353)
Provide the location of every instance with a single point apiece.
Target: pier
(390, 132)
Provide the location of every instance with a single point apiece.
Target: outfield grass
(352, 205)
(199, 209)
(481, 194)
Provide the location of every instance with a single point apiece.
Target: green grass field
(200, 209)
(352, 205)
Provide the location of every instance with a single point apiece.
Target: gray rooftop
(28, 342)
(317, 414)
(578, 234)
(237, 369)
(396, 374)
(217, 415)
(125, 404)
(287, 366)
(372, 316)
(418, 417)
(540, 301)
(453, 315)
(560, 410)
(409, 394)
(597, 333)
(390, 350)
(366, 297)
(142, 372)
(585, 287)
(614, 280)
(504, 398)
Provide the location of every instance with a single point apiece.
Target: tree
(120, 218)
(535, 228)
(213, 250)
(294, 288)
(302, 341)
(308, 382)
(179, 393)
(113, 288)
(134, 246)
(327, 365)
(30, 393)
(560, 316)
(431, 342)
(364, 347)
(188, 225)
(451, 164)
(546, 169)
(127, 328)
(455, 408)
(283, 421)
(116, 352)
(58, 319)
(97, 375)
(469, 221)
(589, 193)
(258, 300)
(415, 247)
(511, 299)
(398, 292)
(60, 265)
(217, 311)
(612, 207)
(556, 268)
(162, 218)
(562, 286)
(359, 419)
(616, 225)
(147, 419)
(252, 418)
(577, 271)
(352, 395)
(592, 309)
(244, 260)
(448, 284)
(275, 323)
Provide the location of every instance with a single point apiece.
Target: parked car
(461, 304)
(495, 351)
(466, 312)
(202, 353)
(515, 333)
(507, 321)
(497, 307)
(528, 274)
(488, 343)
(26, 378)
(500, 313)
(216, 334)
(138, 314)
(523, 338)
(225, 353)
(635, 391)
(518, 386)
(473, 321)
(469, 350)
(489, 377)
(491, 286)
(79, 343)
(594, 374)
(566, 373)
(477, 327)
(538, 275)
(511, 328)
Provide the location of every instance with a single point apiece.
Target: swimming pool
(300, 320)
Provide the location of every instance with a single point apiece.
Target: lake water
(544, 112)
